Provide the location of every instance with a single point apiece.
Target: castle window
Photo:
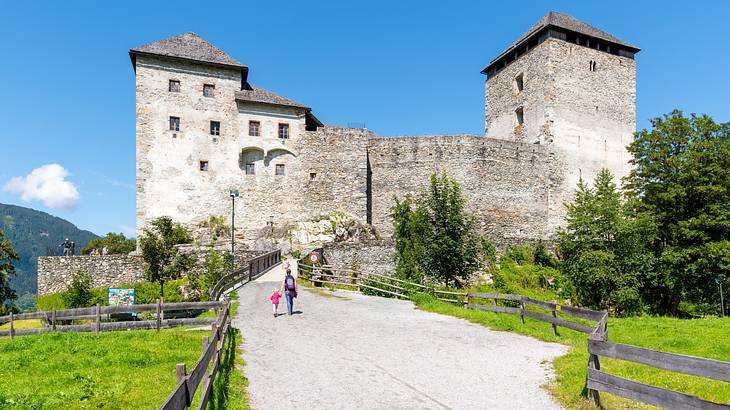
(174, 123)
(253, 128)
(520, 83)
(279, 169)
(215, 128)
(520, 114)
(208, 90)
(284, 131)
(250, 168)
(203, 165)
(592, 65)
(174, 86)
(312, 176)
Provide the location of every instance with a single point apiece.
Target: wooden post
(205, 343)
(98, 319)
(53, 320)
(158, 315)
(12, 326)
(162, 312)
(214, 328)
(466, 301)
(522, 308)
(594, 363)
(180, 372)
(555, 327)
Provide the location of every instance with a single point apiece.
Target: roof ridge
(189, 46)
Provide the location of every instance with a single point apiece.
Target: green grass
(23, 324)
(697, 337)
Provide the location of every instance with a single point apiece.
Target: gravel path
(346, 350)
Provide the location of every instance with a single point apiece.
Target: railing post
(205, 343)
(522, 310)
(12, 326)
(98, 319)
(53, 320)
(555, 327)
(466, 301)
(158, 315)
(594, 363)
(181, 374)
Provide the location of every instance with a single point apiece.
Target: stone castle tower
(571, 85)
(560, 105)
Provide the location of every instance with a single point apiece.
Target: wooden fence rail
(598, 344)
(252, 270)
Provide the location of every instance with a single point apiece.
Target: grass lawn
(117, 370)
(698, 337)
(23, 324)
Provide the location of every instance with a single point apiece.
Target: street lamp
(234, 194)
(722, 302)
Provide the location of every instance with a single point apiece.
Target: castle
(560, 105)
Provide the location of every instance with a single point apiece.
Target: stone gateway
(560, 105)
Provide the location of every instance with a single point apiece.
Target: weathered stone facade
(366, 257)
(56, 272)
(576, 102)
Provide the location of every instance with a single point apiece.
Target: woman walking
(290, 290)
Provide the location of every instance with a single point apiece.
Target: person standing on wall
(289, 287)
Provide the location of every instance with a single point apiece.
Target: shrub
(80, 294)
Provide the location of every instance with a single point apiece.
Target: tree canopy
(161, 258)
(7, 256)
(116, 243)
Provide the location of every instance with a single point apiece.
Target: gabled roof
(556, 19)
(255, 94)
(188, 46)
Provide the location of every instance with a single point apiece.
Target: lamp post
(722, 301)
(234, 194)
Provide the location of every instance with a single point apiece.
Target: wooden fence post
(522, 309)
(53, 319)
(98, 319)
(12, 326)
(158, 315)
(555, 327)
(181, 373)
(205, 343)
(466, 301)
(594, 363)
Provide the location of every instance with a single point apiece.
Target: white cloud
(47, 184)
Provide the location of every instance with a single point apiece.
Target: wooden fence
(558, 316)
(203, 373)
(252, 270)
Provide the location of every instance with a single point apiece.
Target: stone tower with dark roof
(566, 84)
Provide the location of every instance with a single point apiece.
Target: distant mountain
(35, 233)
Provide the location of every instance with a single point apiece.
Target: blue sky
(401, 68)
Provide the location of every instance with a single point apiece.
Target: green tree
(435, 237)
(116, 243)
(605, 248)
(79, 293)
(162, 260)
(681, 177)
(7, 256)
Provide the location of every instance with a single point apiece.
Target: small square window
(312, 176)
(520, 83)
(250, 168)
(284, 131)
(279, 169)
(174, 86)
(215, 128)
(520, 114)
(203, 165)
(253, 128)
(208, 90)
(174, 123)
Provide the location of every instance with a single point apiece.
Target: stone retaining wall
(56, 272)
(368, 257)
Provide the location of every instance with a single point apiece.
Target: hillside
(35, 233)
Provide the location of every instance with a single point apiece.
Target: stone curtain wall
(371, 256)
(338, 157)
(56, 272)
(507, 184)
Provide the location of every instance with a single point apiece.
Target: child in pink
(275, 295)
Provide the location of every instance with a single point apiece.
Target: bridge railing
(558, 315)
(253, 269)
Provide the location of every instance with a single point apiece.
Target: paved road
(346, 350)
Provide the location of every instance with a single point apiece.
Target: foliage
(116, 243)
(79, 293)
(162, 260)
(435, 238)
(7, 270)
(605, 248)
(215, 266)
(217, 226)
(658, 333)
(681, 178)
(33, 234)
(144, 293)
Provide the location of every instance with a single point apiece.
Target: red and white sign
(314, 257)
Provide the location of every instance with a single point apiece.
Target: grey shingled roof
(189, 46)
(556, 19)
(259, 95)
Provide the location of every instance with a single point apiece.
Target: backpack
(289, 283)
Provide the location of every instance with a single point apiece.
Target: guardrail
(199, 377)
(598, 344)
(252, 270)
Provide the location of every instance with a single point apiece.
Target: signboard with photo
(121, 297)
